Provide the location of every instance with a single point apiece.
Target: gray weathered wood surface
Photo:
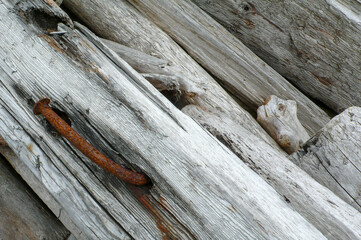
(320, 210)
(244, 74)
(223, 127)
(290, 181)
(22, 214)
(315, 44)
(201, 189)
(120, 22)
(122, 114)
(333, 156)
(221, 53)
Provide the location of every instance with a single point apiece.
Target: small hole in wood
(180, 99)
(42, 20)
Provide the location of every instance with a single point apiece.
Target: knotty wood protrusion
(279, 118)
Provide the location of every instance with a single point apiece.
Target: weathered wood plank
(315, 44)
(196, 193)
(22, 214)
(281, 177)
(238, 68)
(333, 156)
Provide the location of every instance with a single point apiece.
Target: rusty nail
(42, 107)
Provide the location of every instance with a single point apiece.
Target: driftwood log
(316, 45)
(128, 28)
(333, 156)
(200, 189)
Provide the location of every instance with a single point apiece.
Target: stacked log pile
(165, 90)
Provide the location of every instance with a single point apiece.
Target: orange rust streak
(2, 142)
(326, 34)
(142, 194)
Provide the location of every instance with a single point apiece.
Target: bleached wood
(140, 61)
(55, 183)
(238, 68)
(333, 156)
(279, 118)
(316, 203)
(322, 213)
(315, 44)
(197, 181)
(120, 22)
(162, 74)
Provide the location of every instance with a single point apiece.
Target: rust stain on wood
(321, 45)
(249, 23)
(234, 209)
(54, 44)
(267, 100)
(169, 226)
(95, 69)
(2, 142)
(30, 147)
(22, 14)
(144, 197)
(84, 43)
(327, 35)
(256, 12)
(76, 55)
(324, 80)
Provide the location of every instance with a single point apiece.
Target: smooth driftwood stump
(279, 118)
